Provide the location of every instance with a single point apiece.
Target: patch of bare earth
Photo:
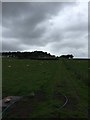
(26, 106)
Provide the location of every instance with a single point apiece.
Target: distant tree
(70, 56)
(67, 56)
(30, 55)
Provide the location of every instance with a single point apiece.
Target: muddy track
(27, 104)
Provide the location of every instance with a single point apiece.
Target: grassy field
(46, 79)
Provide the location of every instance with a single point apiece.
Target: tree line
(35, 55)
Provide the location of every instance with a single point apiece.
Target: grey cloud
(10, 47)
(27, 26)
(22, 18)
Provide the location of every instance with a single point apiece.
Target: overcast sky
(58, 28)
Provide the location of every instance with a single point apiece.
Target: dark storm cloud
(45, 26)
(21, 19)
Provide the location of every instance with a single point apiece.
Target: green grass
(69, 77)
